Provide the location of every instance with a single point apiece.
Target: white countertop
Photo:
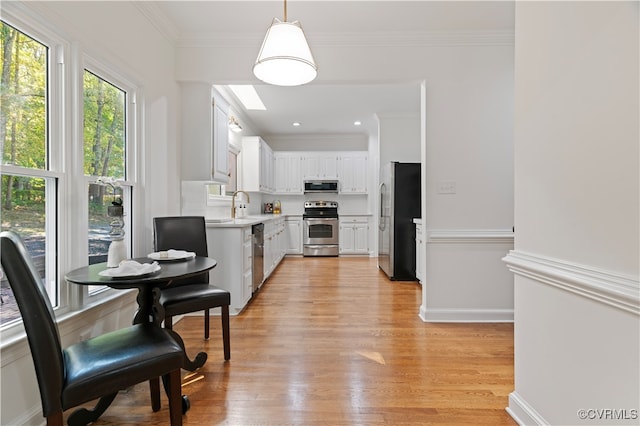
(241, 222)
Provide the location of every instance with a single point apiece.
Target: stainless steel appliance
(320, 186)
(257, 267)
(399, 205)
(320, 228)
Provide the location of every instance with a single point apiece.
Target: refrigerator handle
(381, 224)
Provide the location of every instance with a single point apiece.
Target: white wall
(577, 185)
(400, 137)
(469, 142)
(118, 35)
(314, 142)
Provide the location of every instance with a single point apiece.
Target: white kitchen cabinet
(293, 235)
(205, 134)
(274, 244)
(288, 176)
(354, 235)
(268, 249)
(247, 275)
(419, 253)
(231, 247)
(257, 165)
(353, 172)
(319, 165)
(281, 240)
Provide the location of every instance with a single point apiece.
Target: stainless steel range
(320, 230)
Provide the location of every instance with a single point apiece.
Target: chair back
(182, 233)
(38, 318)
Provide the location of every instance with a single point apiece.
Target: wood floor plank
(331, 341)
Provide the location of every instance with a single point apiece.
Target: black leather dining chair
(99, 367)
(190, 294)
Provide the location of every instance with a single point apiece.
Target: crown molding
(366, 39)
(159, 20)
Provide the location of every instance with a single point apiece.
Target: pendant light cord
(285, 10)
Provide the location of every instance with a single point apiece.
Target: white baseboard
(32, 417)
(466, 315)
(423, 313)
(522, 412)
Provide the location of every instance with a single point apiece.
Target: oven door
(320, 231)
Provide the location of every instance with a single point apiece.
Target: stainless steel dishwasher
(257, 268)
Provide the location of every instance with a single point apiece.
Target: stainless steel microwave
(325, 186)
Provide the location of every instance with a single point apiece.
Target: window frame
(107, 73)
(55, 134)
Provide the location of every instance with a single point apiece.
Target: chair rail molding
(466, 236)
(617, 290)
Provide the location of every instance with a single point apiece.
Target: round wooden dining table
(149, 285)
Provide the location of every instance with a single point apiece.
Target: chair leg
(83, 416)
(154, 390)
(154, 384)
(175, 397)
(55, 419)
(225, 332)
(206, 324)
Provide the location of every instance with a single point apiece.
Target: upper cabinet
(205, 134)
(319, 165)
(220, 139)
(353, 172)
(288, 176)
(257, 165)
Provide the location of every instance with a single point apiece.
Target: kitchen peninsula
(231, 241)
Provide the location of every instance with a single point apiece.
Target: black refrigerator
(399, 200)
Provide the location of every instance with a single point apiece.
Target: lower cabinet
(274, 244)
(232, 248)
(354, 235)
(293, 232)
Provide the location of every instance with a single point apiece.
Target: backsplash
(195, 201)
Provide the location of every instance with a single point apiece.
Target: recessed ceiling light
(357, 123)
(247, 94)
(296, 124)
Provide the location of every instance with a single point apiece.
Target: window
(105, 155)
(29, 188)
(104, 147)
(54, 150)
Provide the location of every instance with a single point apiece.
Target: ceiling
(332, 108)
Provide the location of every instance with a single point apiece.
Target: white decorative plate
(171, 255)
(130, 269)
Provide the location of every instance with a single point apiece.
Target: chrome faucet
(233, 202)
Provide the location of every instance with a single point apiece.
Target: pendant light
(285, 58)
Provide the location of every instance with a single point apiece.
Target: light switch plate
(447, 187)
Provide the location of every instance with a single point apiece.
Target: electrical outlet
(447, 187)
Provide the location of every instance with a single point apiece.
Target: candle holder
(118, 247)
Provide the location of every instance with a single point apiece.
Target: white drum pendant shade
(285, 58)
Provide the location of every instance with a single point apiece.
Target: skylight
(247, 94)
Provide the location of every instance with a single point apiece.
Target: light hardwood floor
(331, 341)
